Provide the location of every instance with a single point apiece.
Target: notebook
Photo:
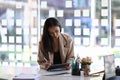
(109, 66)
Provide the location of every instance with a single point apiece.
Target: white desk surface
(8, 72)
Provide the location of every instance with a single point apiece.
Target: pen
(45, 60)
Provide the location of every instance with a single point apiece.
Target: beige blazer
(66, 48)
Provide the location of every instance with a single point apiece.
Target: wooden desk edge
(97, 73)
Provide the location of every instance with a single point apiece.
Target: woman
(54, 46)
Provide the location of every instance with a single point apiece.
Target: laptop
(109, 66)
(57, 67)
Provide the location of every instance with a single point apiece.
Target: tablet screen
(58, 66)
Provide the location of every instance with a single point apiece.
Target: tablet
(57, 66)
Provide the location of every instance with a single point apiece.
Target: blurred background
(94, 26)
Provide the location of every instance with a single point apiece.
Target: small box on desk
(23, 76)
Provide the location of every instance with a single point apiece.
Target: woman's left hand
(67, 67)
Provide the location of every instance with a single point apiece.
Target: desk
(8, 72)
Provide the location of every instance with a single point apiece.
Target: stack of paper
(56, 73)
(23, 76)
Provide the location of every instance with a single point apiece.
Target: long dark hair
(47, 41)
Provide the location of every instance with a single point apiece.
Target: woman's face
(54, 31)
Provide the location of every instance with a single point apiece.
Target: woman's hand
(47, 64)
(68, 67)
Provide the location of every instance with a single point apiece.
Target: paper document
(56, 72)
(24, 76)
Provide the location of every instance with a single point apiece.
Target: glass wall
(18, 32)
(93, 25)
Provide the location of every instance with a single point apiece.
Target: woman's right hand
(47, 64)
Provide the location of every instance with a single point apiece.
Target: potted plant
(85, 64)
